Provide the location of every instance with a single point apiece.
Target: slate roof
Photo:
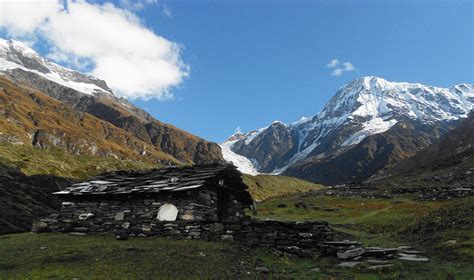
(173, 179)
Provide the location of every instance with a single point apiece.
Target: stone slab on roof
(173, 179)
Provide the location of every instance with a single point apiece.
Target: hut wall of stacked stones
(139, 214)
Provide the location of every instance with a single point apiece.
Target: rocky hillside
(29, 117)
(373, 153)
(80, 114)
(366, 106)
(25, 199)
(447, 163)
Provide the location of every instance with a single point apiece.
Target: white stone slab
(167, 212)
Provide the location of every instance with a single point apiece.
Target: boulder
(168, 212)
(348, 264)
(412, 258)
(39, 227)
(301, 204)
(86, 216)
(380, 267)
(227, 237)
(122, 235)
(126, 225)
(119, 216)
(352, 253)
(262, 269)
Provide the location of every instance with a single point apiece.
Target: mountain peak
(235, 137)
(17, 55)
(365, 106)
(368, 82)
(16, 45)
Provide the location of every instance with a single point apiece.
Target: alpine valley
(376, 182)
(370, 124)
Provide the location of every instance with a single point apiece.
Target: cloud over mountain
(339, 68)
(106, 41)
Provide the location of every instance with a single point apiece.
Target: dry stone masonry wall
(196, 218)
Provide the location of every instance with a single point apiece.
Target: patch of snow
(371, 127)
(11, 52)
(244, 165)
(297, 157)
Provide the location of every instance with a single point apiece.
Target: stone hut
(199, 202)
(211, 193)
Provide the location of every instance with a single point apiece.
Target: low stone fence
(276, 234)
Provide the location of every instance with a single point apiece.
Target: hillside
(375, 152)
(119, 128)
(264, 186)
(25, 199)
(447, 163)
(29, 117)
(36, 161)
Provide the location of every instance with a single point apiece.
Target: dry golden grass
(24, 111)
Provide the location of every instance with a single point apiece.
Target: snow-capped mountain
(16, 55)
(364, 107)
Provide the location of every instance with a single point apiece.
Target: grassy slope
(62, 256)
(264, 186)
(32, 160)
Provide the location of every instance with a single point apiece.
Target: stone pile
(436, 193)
(445, 193)
(354, 190)
(352, 253)
(371, 191)
(299, 238)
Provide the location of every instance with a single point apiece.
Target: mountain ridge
(363, 107)
(29, 71)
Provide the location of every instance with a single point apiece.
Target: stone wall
(300, 238)
(108, 215)
(202, 214)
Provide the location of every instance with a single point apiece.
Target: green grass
(33, 160)
(449, 229)
(385, 222)
(63, 256)
(377, 222)
(103, 257)
(264, 186)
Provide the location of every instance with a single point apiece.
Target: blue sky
(253, 62)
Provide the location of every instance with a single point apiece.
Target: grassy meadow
(375, 222)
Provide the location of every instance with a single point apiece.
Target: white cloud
(340, 68)
(238, 130)
(22, 17)
(334, 62)
(132, 59)
(337, 72)
(348, 66)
